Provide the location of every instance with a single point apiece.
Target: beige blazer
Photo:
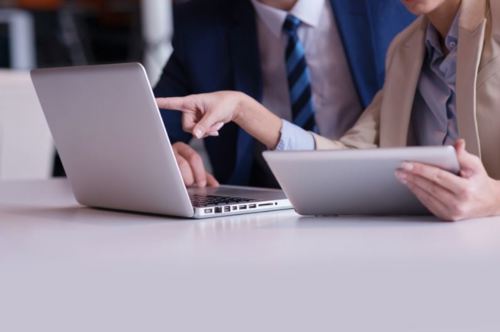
(385, 123)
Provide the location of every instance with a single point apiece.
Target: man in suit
(317, 63)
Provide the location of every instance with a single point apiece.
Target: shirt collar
(451, 40)
(308, 11)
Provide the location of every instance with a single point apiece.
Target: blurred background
(49, 33)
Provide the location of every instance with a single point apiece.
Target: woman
(426, 100)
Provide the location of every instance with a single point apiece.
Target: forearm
(258, 121)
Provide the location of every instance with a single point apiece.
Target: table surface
(64, 267)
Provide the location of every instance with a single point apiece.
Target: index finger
(445, 179)
(173, 103)
(195, 162)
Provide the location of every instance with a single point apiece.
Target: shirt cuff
(294, 138)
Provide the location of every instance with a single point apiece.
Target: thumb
(469, 163)
(205, 124)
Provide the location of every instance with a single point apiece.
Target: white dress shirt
(336, 102)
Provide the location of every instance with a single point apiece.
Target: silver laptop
(116, 152)
(354, 182)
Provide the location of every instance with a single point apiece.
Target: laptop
(116, 152)
(354, 182)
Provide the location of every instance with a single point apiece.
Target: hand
(191, 167)
(205, 114)
(471, 194)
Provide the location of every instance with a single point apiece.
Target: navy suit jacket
(216, 48)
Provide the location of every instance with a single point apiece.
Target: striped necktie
(299, 80)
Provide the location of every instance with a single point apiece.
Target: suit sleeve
(174, 82)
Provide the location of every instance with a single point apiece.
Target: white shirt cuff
(294, 138)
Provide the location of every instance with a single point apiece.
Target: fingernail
(407, 166)
(198, 133)
(219, 126)
(214, 134)
(202, 184)
(401, 177)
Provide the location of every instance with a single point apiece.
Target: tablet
(353, 182)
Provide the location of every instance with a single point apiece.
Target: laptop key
(213, 200)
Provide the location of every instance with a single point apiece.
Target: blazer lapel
(354, 30)
(470, 47)
(400, 89)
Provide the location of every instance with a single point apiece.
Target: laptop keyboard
(213, 200)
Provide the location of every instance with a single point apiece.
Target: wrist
(257, 120)
(243, 105)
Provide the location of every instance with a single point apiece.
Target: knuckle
(458, 211)
(420, 169)
(183, 165)
(455, 208)
(434, 189)
(439, 177)
(434, 176)
(415, 170)
(195, 158)
(466, 194)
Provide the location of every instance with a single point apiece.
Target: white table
(68, 268)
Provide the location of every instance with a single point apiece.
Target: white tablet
(353, 182)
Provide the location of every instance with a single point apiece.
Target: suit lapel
(400, 89)
(244, 48)
(354, 30)
(470, 47)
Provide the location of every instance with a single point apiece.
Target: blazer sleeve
(173, 83)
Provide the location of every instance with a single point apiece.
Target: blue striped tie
(299, 80)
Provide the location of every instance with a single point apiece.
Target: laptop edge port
(218, 209)
(252, 206)
(243, 207)
(227, 209)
